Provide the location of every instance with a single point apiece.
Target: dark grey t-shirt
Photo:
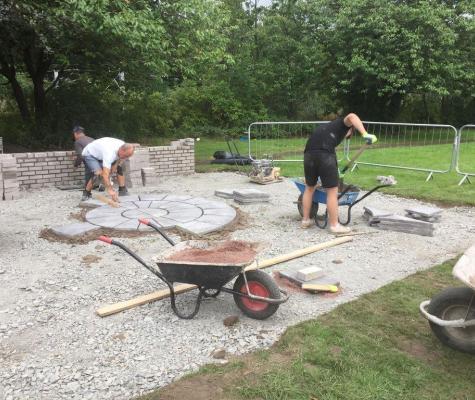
(79, 145)
(327, 137)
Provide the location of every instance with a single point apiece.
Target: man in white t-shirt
(105, 156)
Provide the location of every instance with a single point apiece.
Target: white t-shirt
(104, 149)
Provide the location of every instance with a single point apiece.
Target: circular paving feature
(192, 214)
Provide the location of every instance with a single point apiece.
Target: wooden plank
(140, 300)
(106, 200)
(161, 294)
(297, 253)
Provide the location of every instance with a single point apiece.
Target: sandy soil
(54, 346)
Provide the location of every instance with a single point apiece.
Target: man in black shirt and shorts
(320, 161)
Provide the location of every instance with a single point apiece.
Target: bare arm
(78, 149)
(107, 183)
(106, 172)
(354, 121)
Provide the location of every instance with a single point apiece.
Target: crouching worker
(103, 157)
(320, 161)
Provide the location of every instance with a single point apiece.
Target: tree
(379, 51)
(46, 43)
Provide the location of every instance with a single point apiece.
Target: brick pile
(9, 181)
(149, 176)
(139, 160)
(176, 159)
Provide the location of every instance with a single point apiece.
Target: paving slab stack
(149, 176)
(224, 193)
(424, 213)
(249, 196)
(392, 222)
(139, 160)
(10, 186)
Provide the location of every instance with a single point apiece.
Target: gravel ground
(54, 346)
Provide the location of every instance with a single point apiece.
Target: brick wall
(37, 170)
(176, 159)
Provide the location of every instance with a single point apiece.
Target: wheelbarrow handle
(105, 239)
(153, 225)
(201, 293)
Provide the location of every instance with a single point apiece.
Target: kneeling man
(103, 157)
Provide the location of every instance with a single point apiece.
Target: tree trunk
(20, 100)
(8, 71)
(37, 64)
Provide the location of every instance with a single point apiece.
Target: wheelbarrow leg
(360, 199)
(161, 277)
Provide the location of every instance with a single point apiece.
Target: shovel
(352, 161)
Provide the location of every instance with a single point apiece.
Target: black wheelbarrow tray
(347, 196)
(254, 291)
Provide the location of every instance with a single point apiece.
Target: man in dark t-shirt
(81, 141)
(320, 161)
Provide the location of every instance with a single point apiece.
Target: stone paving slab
(132, 197)
(158, 196)
(424, 211)
(199, 228)
(192, 214)
(228, 212)
(224, 193)
(91, 203)
(73, 230)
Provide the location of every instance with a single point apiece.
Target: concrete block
(291, 275)
(309, 273)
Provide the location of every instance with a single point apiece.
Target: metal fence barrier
(465, 153)
(283, 141)
(428, 148)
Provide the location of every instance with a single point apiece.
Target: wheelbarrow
(347, 196)
(254, 291)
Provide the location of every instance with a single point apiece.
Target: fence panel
(282, 141)
(428, 148)
(465, 163)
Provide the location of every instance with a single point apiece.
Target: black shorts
(321, 164)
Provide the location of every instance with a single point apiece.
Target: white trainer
(339, 229)
(306, 223)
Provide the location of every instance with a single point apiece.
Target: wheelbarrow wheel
(313, 210)
(260, 284)
(451, 304)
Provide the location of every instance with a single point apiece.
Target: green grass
(442, 189)
(377, 347)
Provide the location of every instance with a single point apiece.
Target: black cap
(78, 129)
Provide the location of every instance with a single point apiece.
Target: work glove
(369, 138)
